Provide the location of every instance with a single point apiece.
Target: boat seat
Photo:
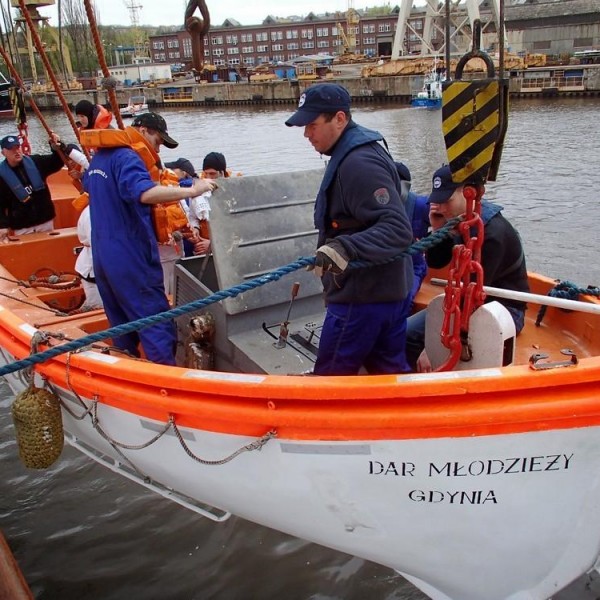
(53, 249)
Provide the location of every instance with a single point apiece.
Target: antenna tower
(139, 39)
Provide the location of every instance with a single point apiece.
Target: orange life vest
(103, 118)
(166, 217)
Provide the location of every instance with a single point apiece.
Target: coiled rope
(568, 291)
(119, 330)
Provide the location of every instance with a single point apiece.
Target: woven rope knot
(109, 83)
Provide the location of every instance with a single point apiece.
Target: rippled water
(81, 532)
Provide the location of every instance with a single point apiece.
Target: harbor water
(81, 532)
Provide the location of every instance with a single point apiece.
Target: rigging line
(103, 65)
(17, 78)
(43, 55)
(60, 46)
(15, 75)
(11, 34)
(275, 275)
(58, 313)
(6, 28)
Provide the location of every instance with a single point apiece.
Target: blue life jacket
(21, 191)
(489, 210)
(354, 136)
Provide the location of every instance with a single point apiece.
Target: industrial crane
(347, 39)
(41, 24)
(140, 51)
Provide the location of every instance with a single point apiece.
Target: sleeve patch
(382, 196)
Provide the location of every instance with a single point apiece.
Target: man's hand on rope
(55, 142)
(330, 257)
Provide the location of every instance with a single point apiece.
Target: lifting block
(491, 336)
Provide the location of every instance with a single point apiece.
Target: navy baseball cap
(318, 99)
(184, 164)
(10, 141)
(442, 186)
(153, 120)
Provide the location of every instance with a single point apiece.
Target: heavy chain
(464, 292)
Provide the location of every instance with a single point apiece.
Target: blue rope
(40, 357)
(566, 290)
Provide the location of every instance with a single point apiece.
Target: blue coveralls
(359, 205)
(126, 260)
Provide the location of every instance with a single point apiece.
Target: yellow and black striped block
(471, 123)
(18, 106)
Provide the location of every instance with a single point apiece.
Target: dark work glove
(331, 257)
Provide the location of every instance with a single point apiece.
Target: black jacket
(502, 258)
(15, 214)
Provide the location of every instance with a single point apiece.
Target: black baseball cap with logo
(442, 186)
(153, 120)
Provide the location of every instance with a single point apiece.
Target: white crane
(460, 38)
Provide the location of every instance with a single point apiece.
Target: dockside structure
(554, 28)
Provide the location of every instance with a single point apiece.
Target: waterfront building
(553, 28)
(285, 40)
(142, 72)
(561, 28)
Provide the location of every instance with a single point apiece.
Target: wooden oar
(534, 298)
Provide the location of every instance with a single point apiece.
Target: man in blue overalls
(126, 260)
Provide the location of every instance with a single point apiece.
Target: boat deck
(248, 325)
(257, 335)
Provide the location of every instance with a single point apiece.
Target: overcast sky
(171, 12)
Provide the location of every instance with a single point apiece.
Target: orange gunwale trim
(492, 402)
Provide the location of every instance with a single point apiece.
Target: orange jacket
(103, 118)
(166, 218)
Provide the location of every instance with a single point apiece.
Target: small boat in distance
(135, 106)
(430, 95)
